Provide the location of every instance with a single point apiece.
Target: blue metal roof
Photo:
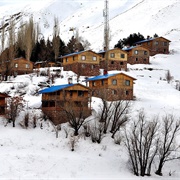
(55, 88)
(101, 77)
(75, 53)
(145, 40)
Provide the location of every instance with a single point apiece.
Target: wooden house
(83, 63)
(3, 103)
(43, 64)
(137, 55)
(112, 87)
(117, 59)
(58, 101)
(16, 66)
(158, 45)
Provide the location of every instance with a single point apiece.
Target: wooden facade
(16, 67)
(57, 101)
(117, 59)
(158, 45)
(3, 103)
(112, 86)
(137, 55)
(84, 63)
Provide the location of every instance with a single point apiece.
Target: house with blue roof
(112, 87)
(83, 63)
(157, 45)
(58, 102)
(137, 55)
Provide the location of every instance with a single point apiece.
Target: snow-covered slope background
(36, 153)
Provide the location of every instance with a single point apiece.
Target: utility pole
(106, 33)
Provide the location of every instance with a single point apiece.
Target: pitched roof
(132, 47)
(58, 87)
(55, 88)
(150, 39)
(103, 51)
(76, 53)
(100, 77)
(106, 76)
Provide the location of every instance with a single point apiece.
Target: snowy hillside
(144, 16)
(37, 153)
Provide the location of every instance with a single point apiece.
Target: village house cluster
(111, 87)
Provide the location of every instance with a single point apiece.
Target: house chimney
(148, 37)
(76, 50)
(105, 48)
(105, 72)
(70, 80)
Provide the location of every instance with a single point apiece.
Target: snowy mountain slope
(144, 16)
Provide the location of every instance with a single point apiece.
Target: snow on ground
(38, 154)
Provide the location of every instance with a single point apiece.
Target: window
(145, 60)
(92, 66)
(44, 103)
(136, 52)
(93, 83)
(70, 93)
(80, 93)
(121, 63)
(73, 58)
(94, 58)
(112, 55)
(122, 55)
(114, 92)
(145, 53)
(127, 93)
(16, 65)
(112, 62)
(114, 82)
(27, 66)
(66, 59)
(165, 43)
(102, 82)
(51, 103)
(156, 43)
(83, 58)
(127, 82)
(136, 59)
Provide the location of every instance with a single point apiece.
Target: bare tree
(2, 37)
(167, 146)
(29, 38)
(96, 132)
(120, 115)
(105, 114)
(81, 41)
(142, 144)
(168, 76)
(56, 38)
(15, 105)
(76, 113)
(10, 51)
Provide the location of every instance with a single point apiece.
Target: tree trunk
(13, 123)
(159, 171)
(76, 132)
